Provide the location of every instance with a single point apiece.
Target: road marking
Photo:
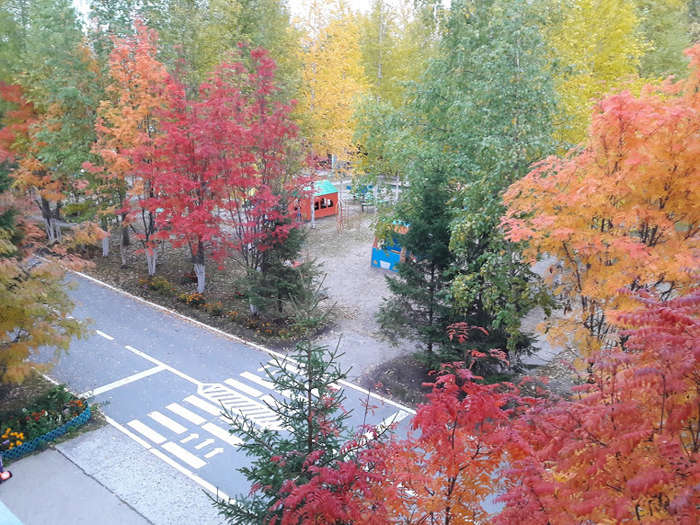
(121, 382)
(204, 443)
(183, 470)
(108, 337)
(167, 422)
(185, 414)
(243, 388)
(189, 438)
(223, 435)
(231, 337)
(161, 363)
(146, 431)
(234, 402)
(214, 453)
(257, 379)
(394, 418)
(200, 403)
(189, 458)
(287, 364)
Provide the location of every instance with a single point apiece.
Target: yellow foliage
(333, 80)
(596, 48)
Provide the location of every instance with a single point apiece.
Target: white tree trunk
(151, 256)
(57, 228)
(396, 189)
(201, 277)
(253, 308)
(122, 247)
(105, 246)
(50, 230)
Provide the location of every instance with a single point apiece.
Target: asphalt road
(162, 379)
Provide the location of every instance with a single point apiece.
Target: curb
(235, 338)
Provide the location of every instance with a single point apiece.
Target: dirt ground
(355, 288)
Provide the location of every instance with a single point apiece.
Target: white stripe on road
(223, 435)
(257, 379)
(121, 382)
(243, 388)
(204, 443)
(146, 431)
(108, 337)
(157, 453)
(231, 337)
(161, 363)
(179, 452)
(167, 422)
(185, 414)
(203, 405)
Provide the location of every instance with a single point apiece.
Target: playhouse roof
(324, 187)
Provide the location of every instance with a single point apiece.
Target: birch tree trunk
(151, 257)
(105, 246)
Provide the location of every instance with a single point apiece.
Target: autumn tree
(34, 307)
(333, 80)
(265, 175)
(442, 472)
(59, 76)
(619, 213)
(479, 117)
(126, 127)
(625, 448)
(595, 48)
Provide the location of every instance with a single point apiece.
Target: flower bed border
(30, 446)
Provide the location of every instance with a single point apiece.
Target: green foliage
(311, 423)
(44, 414)
(421, 304)
(280, 281)
(665, 26)
(479, 117)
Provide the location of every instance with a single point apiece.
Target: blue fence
(41, 441)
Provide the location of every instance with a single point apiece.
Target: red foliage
(627, 448)
(221, 166)
(14, 135)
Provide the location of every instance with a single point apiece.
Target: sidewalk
(101, 476)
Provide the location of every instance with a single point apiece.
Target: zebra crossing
(194, 429)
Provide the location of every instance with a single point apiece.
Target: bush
(215, 308)
(193, 299)
(43, 415)
(160, 284)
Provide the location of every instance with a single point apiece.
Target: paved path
(162, 380)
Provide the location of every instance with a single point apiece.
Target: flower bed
(46, 419)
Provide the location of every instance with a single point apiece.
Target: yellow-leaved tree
(595, 49)
(333, 79)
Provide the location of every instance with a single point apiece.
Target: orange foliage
(126, 123)
(622, 212)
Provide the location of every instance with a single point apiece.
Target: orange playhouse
(325, 201)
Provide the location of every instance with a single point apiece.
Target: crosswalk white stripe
(222, 434)
(106, 336)
(167, 422)
(179, 452)
(243, 388)
(185, 414)
(257, 379)
(146, 431)
(200, 403)
(121, 382)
